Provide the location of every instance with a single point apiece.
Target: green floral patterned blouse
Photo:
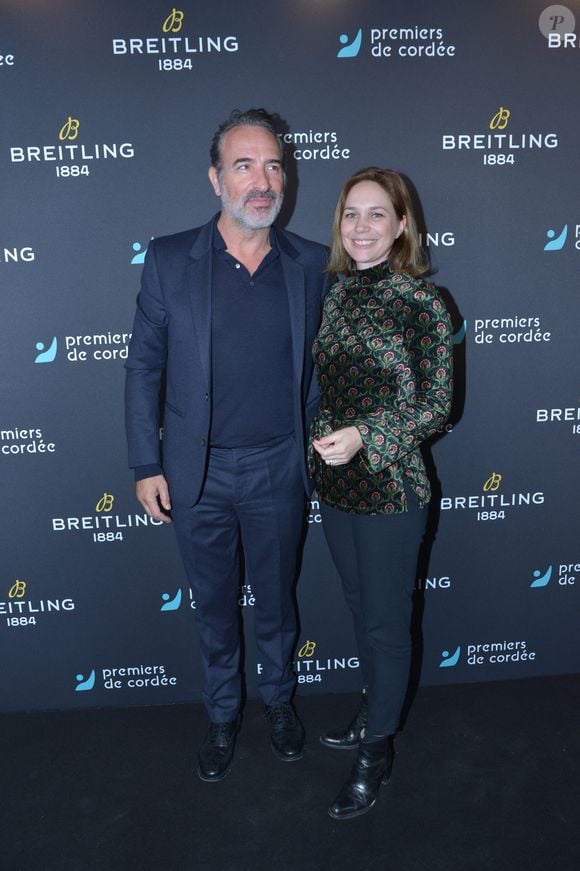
(384, 361)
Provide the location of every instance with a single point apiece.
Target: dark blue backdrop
(107, 116)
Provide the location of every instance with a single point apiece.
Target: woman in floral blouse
(383, 356)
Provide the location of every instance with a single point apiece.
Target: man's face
(251, 179)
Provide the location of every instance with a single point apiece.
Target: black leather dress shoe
(348, 739)
(215, 754)
(287, 732)
(372, 767)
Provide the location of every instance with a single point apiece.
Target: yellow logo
(500, 120)
(105, 503)
(307, 649)
(493, 482)
(174, 21)
(17, 590)
(70, 129)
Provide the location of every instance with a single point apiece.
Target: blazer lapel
(199, 278)
(296, 290)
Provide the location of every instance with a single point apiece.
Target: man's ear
(214, 181)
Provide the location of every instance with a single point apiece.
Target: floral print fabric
(384, 361)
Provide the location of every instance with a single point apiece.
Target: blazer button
(203, 443)
(206, 396)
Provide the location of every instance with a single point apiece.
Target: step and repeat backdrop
(107, 114)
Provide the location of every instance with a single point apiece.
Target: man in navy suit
(221, 356)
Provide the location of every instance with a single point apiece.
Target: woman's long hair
(406, 254)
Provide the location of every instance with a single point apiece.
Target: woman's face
(369, 225)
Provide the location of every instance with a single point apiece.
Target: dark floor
(485, 779)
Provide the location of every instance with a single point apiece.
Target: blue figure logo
(449, 660)
(46, 355)
(556, 244)
(542, 580)
(171, 604)
(139, 257)
(84, 685)
(459, 336)
(350, 49)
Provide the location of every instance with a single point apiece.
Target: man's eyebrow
(277, 160)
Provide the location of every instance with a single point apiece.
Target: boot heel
(389, 768)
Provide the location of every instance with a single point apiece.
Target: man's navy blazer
(169, 378)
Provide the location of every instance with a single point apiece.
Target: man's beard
(263, 217)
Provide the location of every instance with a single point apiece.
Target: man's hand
(340, 446)
(153, 494)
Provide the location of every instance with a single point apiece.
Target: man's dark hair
(252, 117)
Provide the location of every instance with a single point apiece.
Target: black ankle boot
(372, 767)
(348, 739)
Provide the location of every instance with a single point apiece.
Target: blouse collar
(370, 275)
